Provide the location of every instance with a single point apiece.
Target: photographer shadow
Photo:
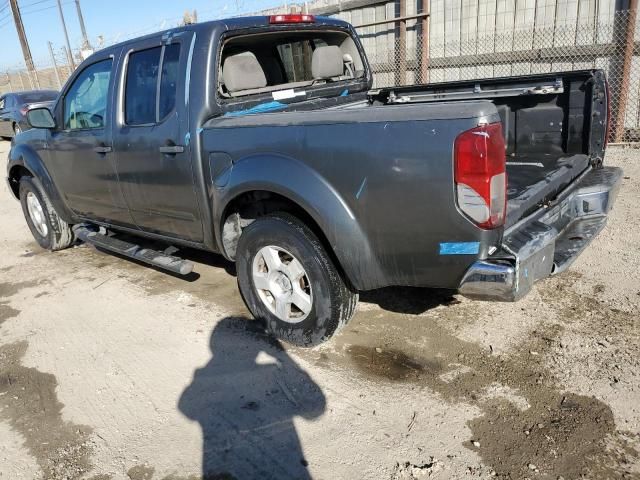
(245, 399)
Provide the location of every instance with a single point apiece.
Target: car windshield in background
(35, 97)
(272, 62)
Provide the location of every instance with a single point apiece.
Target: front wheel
(288, 281)
(49, 230)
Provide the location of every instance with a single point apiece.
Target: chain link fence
(611, 44)
(50, 74)
(414, 50)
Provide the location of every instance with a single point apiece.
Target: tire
(331, 301)
(58, 234)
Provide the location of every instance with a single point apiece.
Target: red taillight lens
(480, 175)
(292, 18)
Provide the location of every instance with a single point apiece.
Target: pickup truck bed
(553, 126)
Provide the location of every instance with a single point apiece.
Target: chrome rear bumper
(547, 241)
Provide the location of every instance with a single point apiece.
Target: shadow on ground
(245, 399)
(409, 300)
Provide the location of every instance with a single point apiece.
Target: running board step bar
(131, 250)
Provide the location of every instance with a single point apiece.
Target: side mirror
(40, 117)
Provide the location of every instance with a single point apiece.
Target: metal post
(85, 39)
(9, 81)
(66, 54)
(401, 46)
(31, 86)
(26, 51)
(424, 48)
(21, 80)
(621, 110)
(55, 65)
(66, 36)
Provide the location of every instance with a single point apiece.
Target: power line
(34, 3)
(3, 8)
(30, 11)
(45, 8)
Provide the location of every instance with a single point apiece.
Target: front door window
(85, 104)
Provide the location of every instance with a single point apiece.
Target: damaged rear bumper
(547, 241)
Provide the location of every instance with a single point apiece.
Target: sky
(113, 19)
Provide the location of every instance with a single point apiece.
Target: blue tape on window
(262, 108)
(459, 248)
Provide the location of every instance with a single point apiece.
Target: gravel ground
(112, 370)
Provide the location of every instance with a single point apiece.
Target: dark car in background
(14, 106)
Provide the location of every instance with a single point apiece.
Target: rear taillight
(480, 175)
(292, 18)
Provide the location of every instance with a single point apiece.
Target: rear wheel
(49, 230)
(289, 282)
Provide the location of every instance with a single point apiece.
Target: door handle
(171, 149)
(102, 149)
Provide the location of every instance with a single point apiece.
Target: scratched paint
(362, 187)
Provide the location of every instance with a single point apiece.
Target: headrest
(242, 72)
(327, 62)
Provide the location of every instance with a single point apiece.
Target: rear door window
(151, 84)
(141, 87)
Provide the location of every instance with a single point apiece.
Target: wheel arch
(24, 161)
(288, 185)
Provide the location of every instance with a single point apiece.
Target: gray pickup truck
(260, 139)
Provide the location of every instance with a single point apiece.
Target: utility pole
(85, 39)
(66, 36)
(26, 51)
(55, 65)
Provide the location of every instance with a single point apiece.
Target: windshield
(34, 97)
(282, 61)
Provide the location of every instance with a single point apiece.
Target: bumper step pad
(574, 240)
(547, 242)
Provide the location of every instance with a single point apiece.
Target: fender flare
(25, 157)
(305, 187)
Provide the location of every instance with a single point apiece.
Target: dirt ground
(112, 370)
